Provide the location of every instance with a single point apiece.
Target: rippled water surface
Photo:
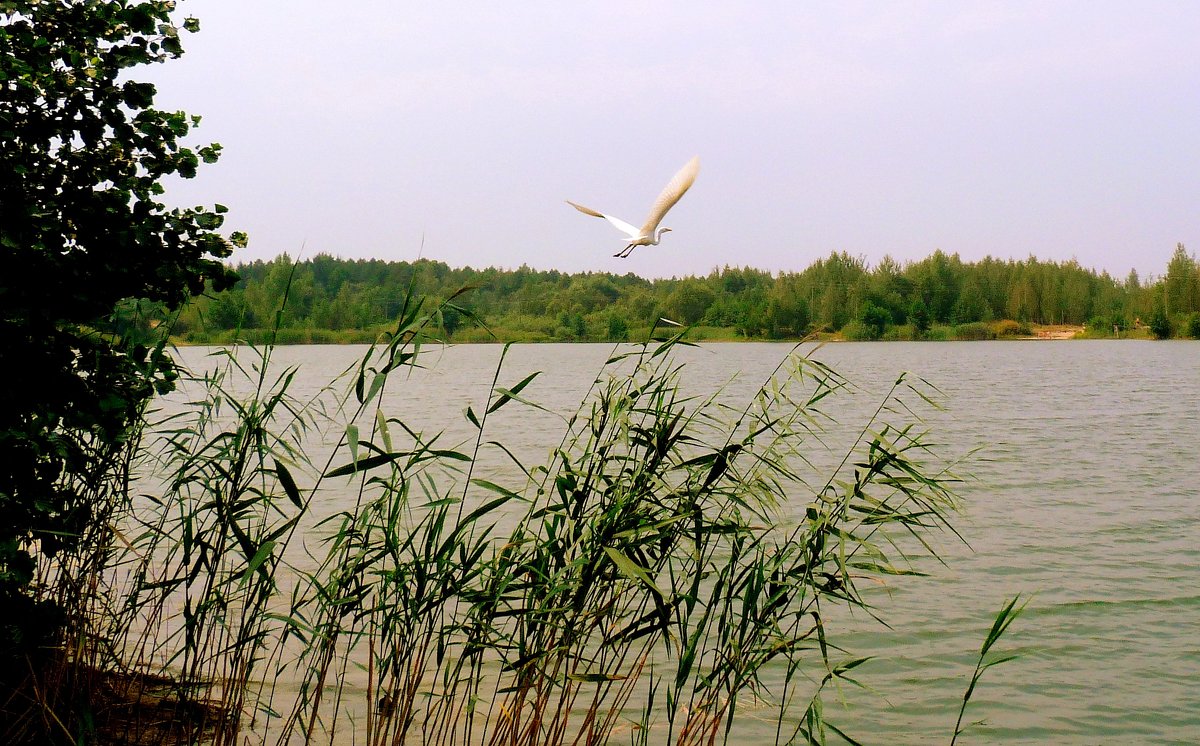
(1085, 494)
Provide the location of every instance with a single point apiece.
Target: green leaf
(507, 395)
(452, 455)
(384, 434)
(631, 569)
(376, 384)
(288, 484)
(365, 464)
(496, 488)
(264, 552)
(841, 733)
(352, 441)
(596, 677)
(851, 664)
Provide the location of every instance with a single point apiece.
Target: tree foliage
(1193, 325)
(340, 295)
(83, 231)
(1160, 322)
(1181, 287)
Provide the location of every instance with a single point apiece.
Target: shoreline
(705, 335)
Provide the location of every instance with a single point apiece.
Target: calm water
(1086, 494)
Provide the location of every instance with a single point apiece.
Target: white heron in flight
(650, 234)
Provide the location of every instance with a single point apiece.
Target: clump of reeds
(675, 558)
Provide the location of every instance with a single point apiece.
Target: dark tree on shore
(86, 246)
(1160, 323)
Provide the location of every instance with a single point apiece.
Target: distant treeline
(331, 299)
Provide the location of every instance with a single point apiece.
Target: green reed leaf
(288, 484)
(365, 464)
(384, 433)
(260, 557)
(507, 395)
(352, 440)
(497, 489)
(631, 569)
(376, 385)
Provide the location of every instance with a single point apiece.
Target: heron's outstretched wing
(674, 190)
(621, 225)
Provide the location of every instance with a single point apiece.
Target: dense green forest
(940, 297)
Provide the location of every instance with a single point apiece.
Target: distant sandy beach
(1057, 332)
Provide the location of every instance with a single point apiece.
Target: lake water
(1085, 495)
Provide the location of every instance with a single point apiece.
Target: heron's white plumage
(675, 189)
(621, 225)
(650, 234)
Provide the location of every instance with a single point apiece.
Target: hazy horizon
(1058, 130)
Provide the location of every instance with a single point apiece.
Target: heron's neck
(658, 235)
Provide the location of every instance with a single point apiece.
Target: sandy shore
(1057, 332)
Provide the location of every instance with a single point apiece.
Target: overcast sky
(361, 128)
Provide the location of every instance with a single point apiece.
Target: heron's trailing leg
(626, 251)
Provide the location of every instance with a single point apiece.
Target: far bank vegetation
(332, 300)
